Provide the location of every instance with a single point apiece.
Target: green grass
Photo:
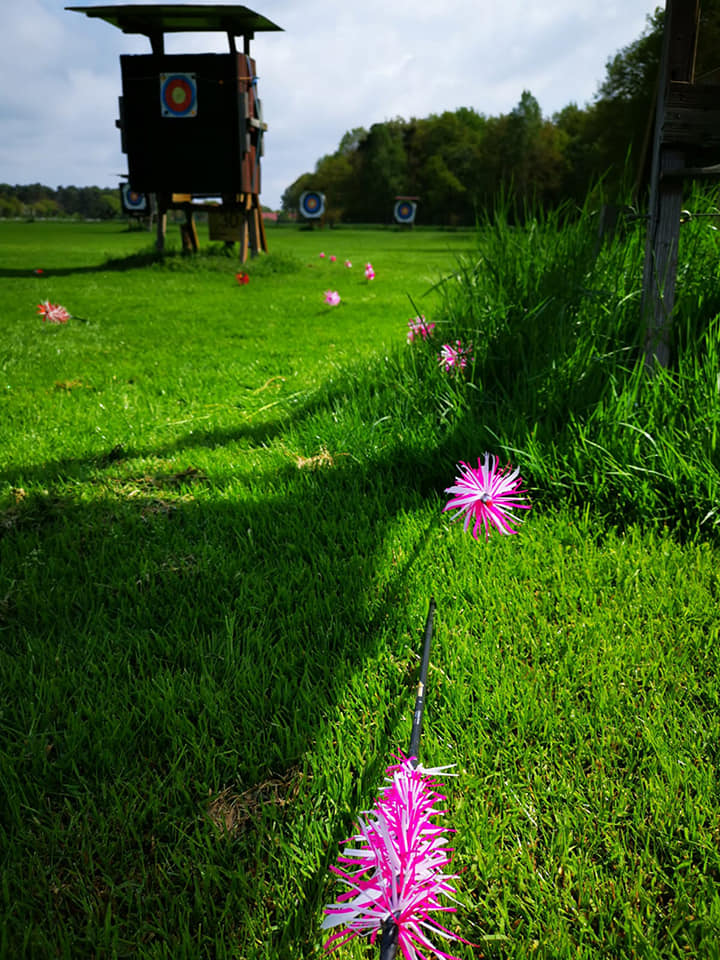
(220, 526)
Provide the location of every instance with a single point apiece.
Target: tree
(382, 172)
(620, 121)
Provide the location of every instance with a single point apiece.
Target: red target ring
(178, 94)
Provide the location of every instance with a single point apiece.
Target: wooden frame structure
(686, 136)
(192, 124)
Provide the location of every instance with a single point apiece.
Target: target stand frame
(405, 211)
(311, 207)
(192, 124)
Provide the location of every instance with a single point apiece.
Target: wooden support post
(261, 227)
(244, 227)
(660, 269)
(661, 255)
(254, 230)
(188, 232)
(161, 228)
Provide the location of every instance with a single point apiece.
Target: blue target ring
(312, 204)
(405, 211)
(178, 95)
(132, 201)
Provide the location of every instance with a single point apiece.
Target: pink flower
(369, 272)
(393, 867)
(488, 496)
(418, 327)
(348, 264)
(53, 312)
(333, 258)
(242, 278)
(332, 297)
(322, 256)
(455, 357)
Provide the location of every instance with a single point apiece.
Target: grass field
(220, 527)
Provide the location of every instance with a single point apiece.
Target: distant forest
(37, 200)
(458, 163)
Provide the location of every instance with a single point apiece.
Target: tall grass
(554, 317)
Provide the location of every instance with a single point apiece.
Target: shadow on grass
(212, 259)
(163, 647)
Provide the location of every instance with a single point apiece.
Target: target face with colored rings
(404, 211)
(132, 200)
(178, 95)
(312, 204)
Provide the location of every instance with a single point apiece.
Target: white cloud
(333, 68)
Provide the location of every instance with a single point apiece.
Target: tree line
(37, 200)
(458, 163)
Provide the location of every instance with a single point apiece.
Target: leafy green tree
(290, 199)
(443, 163)
(620, 122)
(382, 172)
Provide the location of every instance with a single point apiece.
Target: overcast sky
(336, 66)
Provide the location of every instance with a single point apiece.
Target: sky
(334, 67)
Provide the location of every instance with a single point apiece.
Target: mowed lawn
(220, 527)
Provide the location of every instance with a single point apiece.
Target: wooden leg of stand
(261, 230)
(243, 240)
(161, 228)
(188, 232)
(252, 218)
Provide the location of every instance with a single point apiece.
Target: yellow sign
(225, 225)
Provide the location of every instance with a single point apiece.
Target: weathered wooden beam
(692, 115)
(677, 66)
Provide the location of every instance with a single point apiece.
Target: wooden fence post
(677, 66)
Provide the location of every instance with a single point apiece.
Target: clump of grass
(560, 378)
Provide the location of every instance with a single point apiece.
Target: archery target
(405, 211)
(132, 201)
(312, 204)
(178, 95)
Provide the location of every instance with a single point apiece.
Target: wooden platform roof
(156, 19)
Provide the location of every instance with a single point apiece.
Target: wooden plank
(696, 96)
(691, 126)
(711, 172)
(225, 225)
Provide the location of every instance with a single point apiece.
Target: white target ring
(312, 204)
(132, 201)
(405, 211)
